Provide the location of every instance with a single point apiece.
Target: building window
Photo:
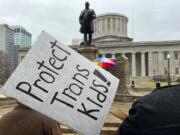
(122, 22)
(176, 55)
(17, 30)
(113, 23)
(98, 27)
(108, 55)
(117, 55)
(108, 23)
(119, 23)
(177, 70)
(165, 55)
(99, 55)
(103, 23)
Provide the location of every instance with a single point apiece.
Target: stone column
(98, 26)
(113, 56)
(101, 23)
(133, 64)
(105, 25)
(104, 55)
(160, 61)
(116, 25)
(111, 25)
(172, 64)
(123, 55)
(98, 22)
(121, 72)
(143, 72)
(125, 29)
(150, 64)
(97, 55)
(121, 27)
(88, 52)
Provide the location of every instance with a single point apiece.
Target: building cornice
(112, 14)
(135, 44)
(111, 37)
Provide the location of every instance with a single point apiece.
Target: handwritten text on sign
(58, 82)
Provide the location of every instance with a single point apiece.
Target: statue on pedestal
(86, 20)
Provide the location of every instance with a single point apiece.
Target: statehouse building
(146, 59)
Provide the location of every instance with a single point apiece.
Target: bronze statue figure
(86, 20)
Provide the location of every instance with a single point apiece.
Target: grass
(152, 85)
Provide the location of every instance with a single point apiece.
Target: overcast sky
(152, 19)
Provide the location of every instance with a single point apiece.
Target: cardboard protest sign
(60, 83)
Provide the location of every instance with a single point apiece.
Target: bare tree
(4, 66)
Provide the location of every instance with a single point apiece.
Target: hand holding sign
(60, 83)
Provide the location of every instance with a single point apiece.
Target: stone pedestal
(88, 52)
(121, 72)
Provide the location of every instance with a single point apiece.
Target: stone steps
(108, 129)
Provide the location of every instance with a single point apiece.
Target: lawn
(152, 84)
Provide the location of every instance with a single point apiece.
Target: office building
(22, 38)
(7, 45)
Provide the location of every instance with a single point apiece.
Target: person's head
(21, 105)
(87, 5)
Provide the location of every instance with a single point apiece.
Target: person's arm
(81, 17)
(133, 121)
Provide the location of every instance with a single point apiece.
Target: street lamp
(169, 77)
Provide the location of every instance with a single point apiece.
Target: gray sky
(153, 19)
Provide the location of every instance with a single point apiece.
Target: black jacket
(155, 114)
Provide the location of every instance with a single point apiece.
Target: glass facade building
(7, 45)
(22, 38)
